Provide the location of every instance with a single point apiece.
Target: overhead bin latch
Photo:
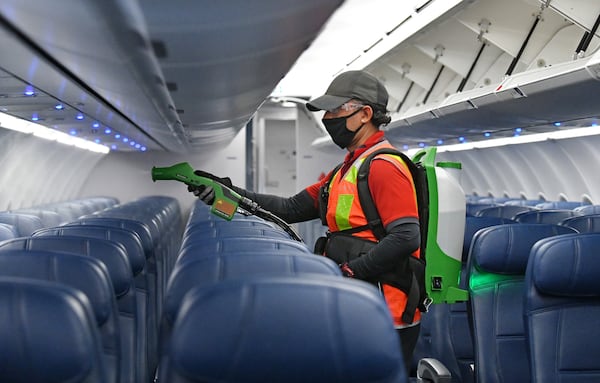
(484, 27)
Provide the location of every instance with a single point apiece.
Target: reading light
(27, 127)
(528, 138)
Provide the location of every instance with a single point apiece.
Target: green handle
(226, 200)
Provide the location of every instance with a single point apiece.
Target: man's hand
(204, 193)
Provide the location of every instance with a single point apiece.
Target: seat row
(493, 337)
(119, 258)
(245, 302)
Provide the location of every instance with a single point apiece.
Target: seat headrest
(127, 238)
(50, 333)
(286, 329)
(83, 273)
(567, 265)
(474, 224)
(111, 254)
(208, 270)
(505, 249)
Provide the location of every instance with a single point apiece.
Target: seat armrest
(431, 370)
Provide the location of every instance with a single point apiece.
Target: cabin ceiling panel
(510, 21)
(581, 12)
(159, 66)
(459, 42)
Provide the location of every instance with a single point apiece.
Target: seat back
(588, 209)
(471, 209)
(207, 271)
(445, 333)
(24, 224)
(214, 246)
(7, 232)
(85, 274)
(562, 307)
(496, 270)
(37, 318)
(503, 211)
(552, 217)
(250, 330)
(584, 223)
(114, 258)
(558, 205)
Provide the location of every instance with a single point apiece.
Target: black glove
(207, 193)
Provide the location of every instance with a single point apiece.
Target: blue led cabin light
(117, 136)
(113, 147)
(29, 91)
(461, 139)
(440, 142)
(487, 134)
(107, 131)
(557, 124)
(35, 117)
(143, 149)
(79, 116)
(59, 107)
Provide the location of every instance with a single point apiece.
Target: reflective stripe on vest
(343, 209)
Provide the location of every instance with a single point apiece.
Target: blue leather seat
(85, 274)
(285, 329)
(49, 218)
(53, 317)
(583, 224)
(114, 258)
(145, 285)
(445, 331)
(7, 232)
(232, 231)
(524, 202)
(552, 217)
(206, 271)
(154, 265)
(496, 270)
(473, 208)
(214, 246)
(562, 307)
(196, 226)
(24, 224)
(588, 209)
(567, 205)
(503, 211)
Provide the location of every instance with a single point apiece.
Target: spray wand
(227, 202)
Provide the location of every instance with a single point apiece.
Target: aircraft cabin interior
(111, 271)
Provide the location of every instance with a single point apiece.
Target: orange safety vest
(344, 212)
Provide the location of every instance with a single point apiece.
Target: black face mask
(336, 127)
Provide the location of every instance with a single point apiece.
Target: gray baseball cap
(356, 84)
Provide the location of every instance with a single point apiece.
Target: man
(355, 106)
